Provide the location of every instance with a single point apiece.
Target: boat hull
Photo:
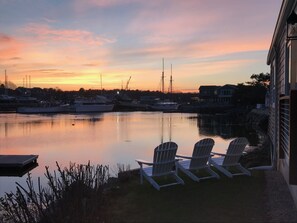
(165, 106)
(94, 108)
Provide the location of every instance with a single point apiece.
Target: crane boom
(127, 84)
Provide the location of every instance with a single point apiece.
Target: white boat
(44, 109)
(98, 104)
(165, 106)
(6, 99)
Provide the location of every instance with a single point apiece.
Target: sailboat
(165, 105)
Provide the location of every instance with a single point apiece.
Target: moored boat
(44, 109)
(98, 104)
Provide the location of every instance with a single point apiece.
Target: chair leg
(188, 173)
(244, 170)
(152, 182)
(141, 176)
(178, 179)
(222, 169)
(212, 173)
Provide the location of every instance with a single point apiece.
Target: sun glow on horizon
(70, 44)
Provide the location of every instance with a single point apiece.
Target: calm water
(108, 138)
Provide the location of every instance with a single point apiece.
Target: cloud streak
(45, 32)
(87, 4)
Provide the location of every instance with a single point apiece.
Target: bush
(74, 194)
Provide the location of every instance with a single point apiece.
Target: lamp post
(292, 26)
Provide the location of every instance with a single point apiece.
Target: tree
(249, 95)
(254, 91)
(260, 80)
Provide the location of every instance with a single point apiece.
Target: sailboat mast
(6, 83)
(101, 82)
(162, 128)
(163, 77)
(171, 81)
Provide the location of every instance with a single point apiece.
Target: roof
(229, 86)
(213, 87)
(287, 7)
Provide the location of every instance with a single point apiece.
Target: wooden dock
(17, 165)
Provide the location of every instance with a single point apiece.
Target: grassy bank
(241, 199)
(81, 194)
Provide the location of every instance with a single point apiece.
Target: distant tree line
(249, 93)
(254, 91)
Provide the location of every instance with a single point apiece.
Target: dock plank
(17, 161)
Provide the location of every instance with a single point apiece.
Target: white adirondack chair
(164, 163)
(198, 160)
(225, 162)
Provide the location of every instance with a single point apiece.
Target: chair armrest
(191, 157)
(219, 154)
(183, 156)
(144, 162)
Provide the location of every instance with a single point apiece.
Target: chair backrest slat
(201, 153)
(235, 150)
(164, 158)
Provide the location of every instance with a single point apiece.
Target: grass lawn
(241, 199)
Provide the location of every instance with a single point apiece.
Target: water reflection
(107, 139)
(225, 126)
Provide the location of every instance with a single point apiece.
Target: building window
(289, 69)
(291, 66)
(272, 84)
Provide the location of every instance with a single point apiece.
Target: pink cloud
(174, 22)
(45, 32)
(82, 6)
(197, 25)
(198, 49)
(219, 47)
(4, 38)
(106, 3)
(10, 47)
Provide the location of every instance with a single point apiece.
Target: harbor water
(107, 138)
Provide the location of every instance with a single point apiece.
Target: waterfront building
(217, 94)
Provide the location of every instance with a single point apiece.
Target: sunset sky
(69, 43)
